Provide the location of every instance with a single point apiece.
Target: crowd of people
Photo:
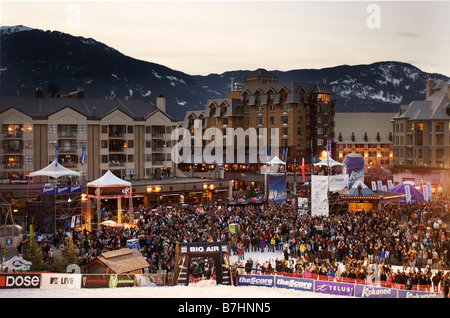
(414, 236)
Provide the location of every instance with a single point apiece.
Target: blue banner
(277, 189)
(295, 283)
(83, 156)
(61, 190)
(256, 280)
(417, 294)
(367, 291)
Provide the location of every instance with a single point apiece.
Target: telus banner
(334, 288)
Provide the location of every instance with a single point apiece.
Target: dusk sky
(203, 37)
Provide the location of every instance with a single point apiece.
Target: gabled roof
(92, 108)
(121, 261)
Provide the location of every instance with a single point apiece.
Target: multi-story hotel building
(421, 133)
(422, 129)
(129, 137)
(301, 114)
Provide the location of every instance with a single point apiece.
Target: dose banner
(256, 280)
(326, 287)
(107, 280)
(149, 280)
(295, 283)
(366, 291)
(20, 281)
(60, 281)
(417, 294)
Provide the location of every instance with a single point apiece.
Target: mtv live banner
(319, 195)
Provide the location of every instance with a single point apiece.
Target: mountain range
(33, 58)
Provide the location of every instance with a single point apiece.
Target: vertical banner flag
(83, 156)
(277, 189)
(319, 195)
(389, 183)
(407, 193)
(380, 185)
(303, 168)
(56, 155)
(374, 186)
(428, 187)
(346, 145)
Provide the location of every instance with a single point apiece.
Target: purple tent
(416, 195)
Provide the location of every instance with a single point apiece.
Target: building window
(259, 120)
(28, 160)
(82, 129)
(51, 144)
(259, 109)
(52, 129)
(130, 129)
(272, 120)
(213, 121)
(284, 119)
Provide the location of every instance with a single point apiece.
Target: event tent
(328, 162)
(54, 170)
(365, 191)
(416, 195)
(109, 180)
(276, 161)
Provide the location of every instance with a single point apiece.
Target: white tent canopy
(109, 180)
(55, 171)
(328, 162)
(276, 161)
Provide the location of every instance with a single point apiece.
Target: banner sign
(295, 283)
(319, 195)
(367, 291)
(389, 183)
(426, 191)
(374, 186)
(60, 281)
(61, 190)
(417, 294)
(407, 193)
(149, 280)
(277, 189)
(338, 183)
(326, 287)
(20, 281)
(107, 281)
(256, 280)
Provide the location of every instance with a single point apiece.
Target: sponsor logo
(294, 283)
(371, 291)
(20, 281)
(256, 281)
